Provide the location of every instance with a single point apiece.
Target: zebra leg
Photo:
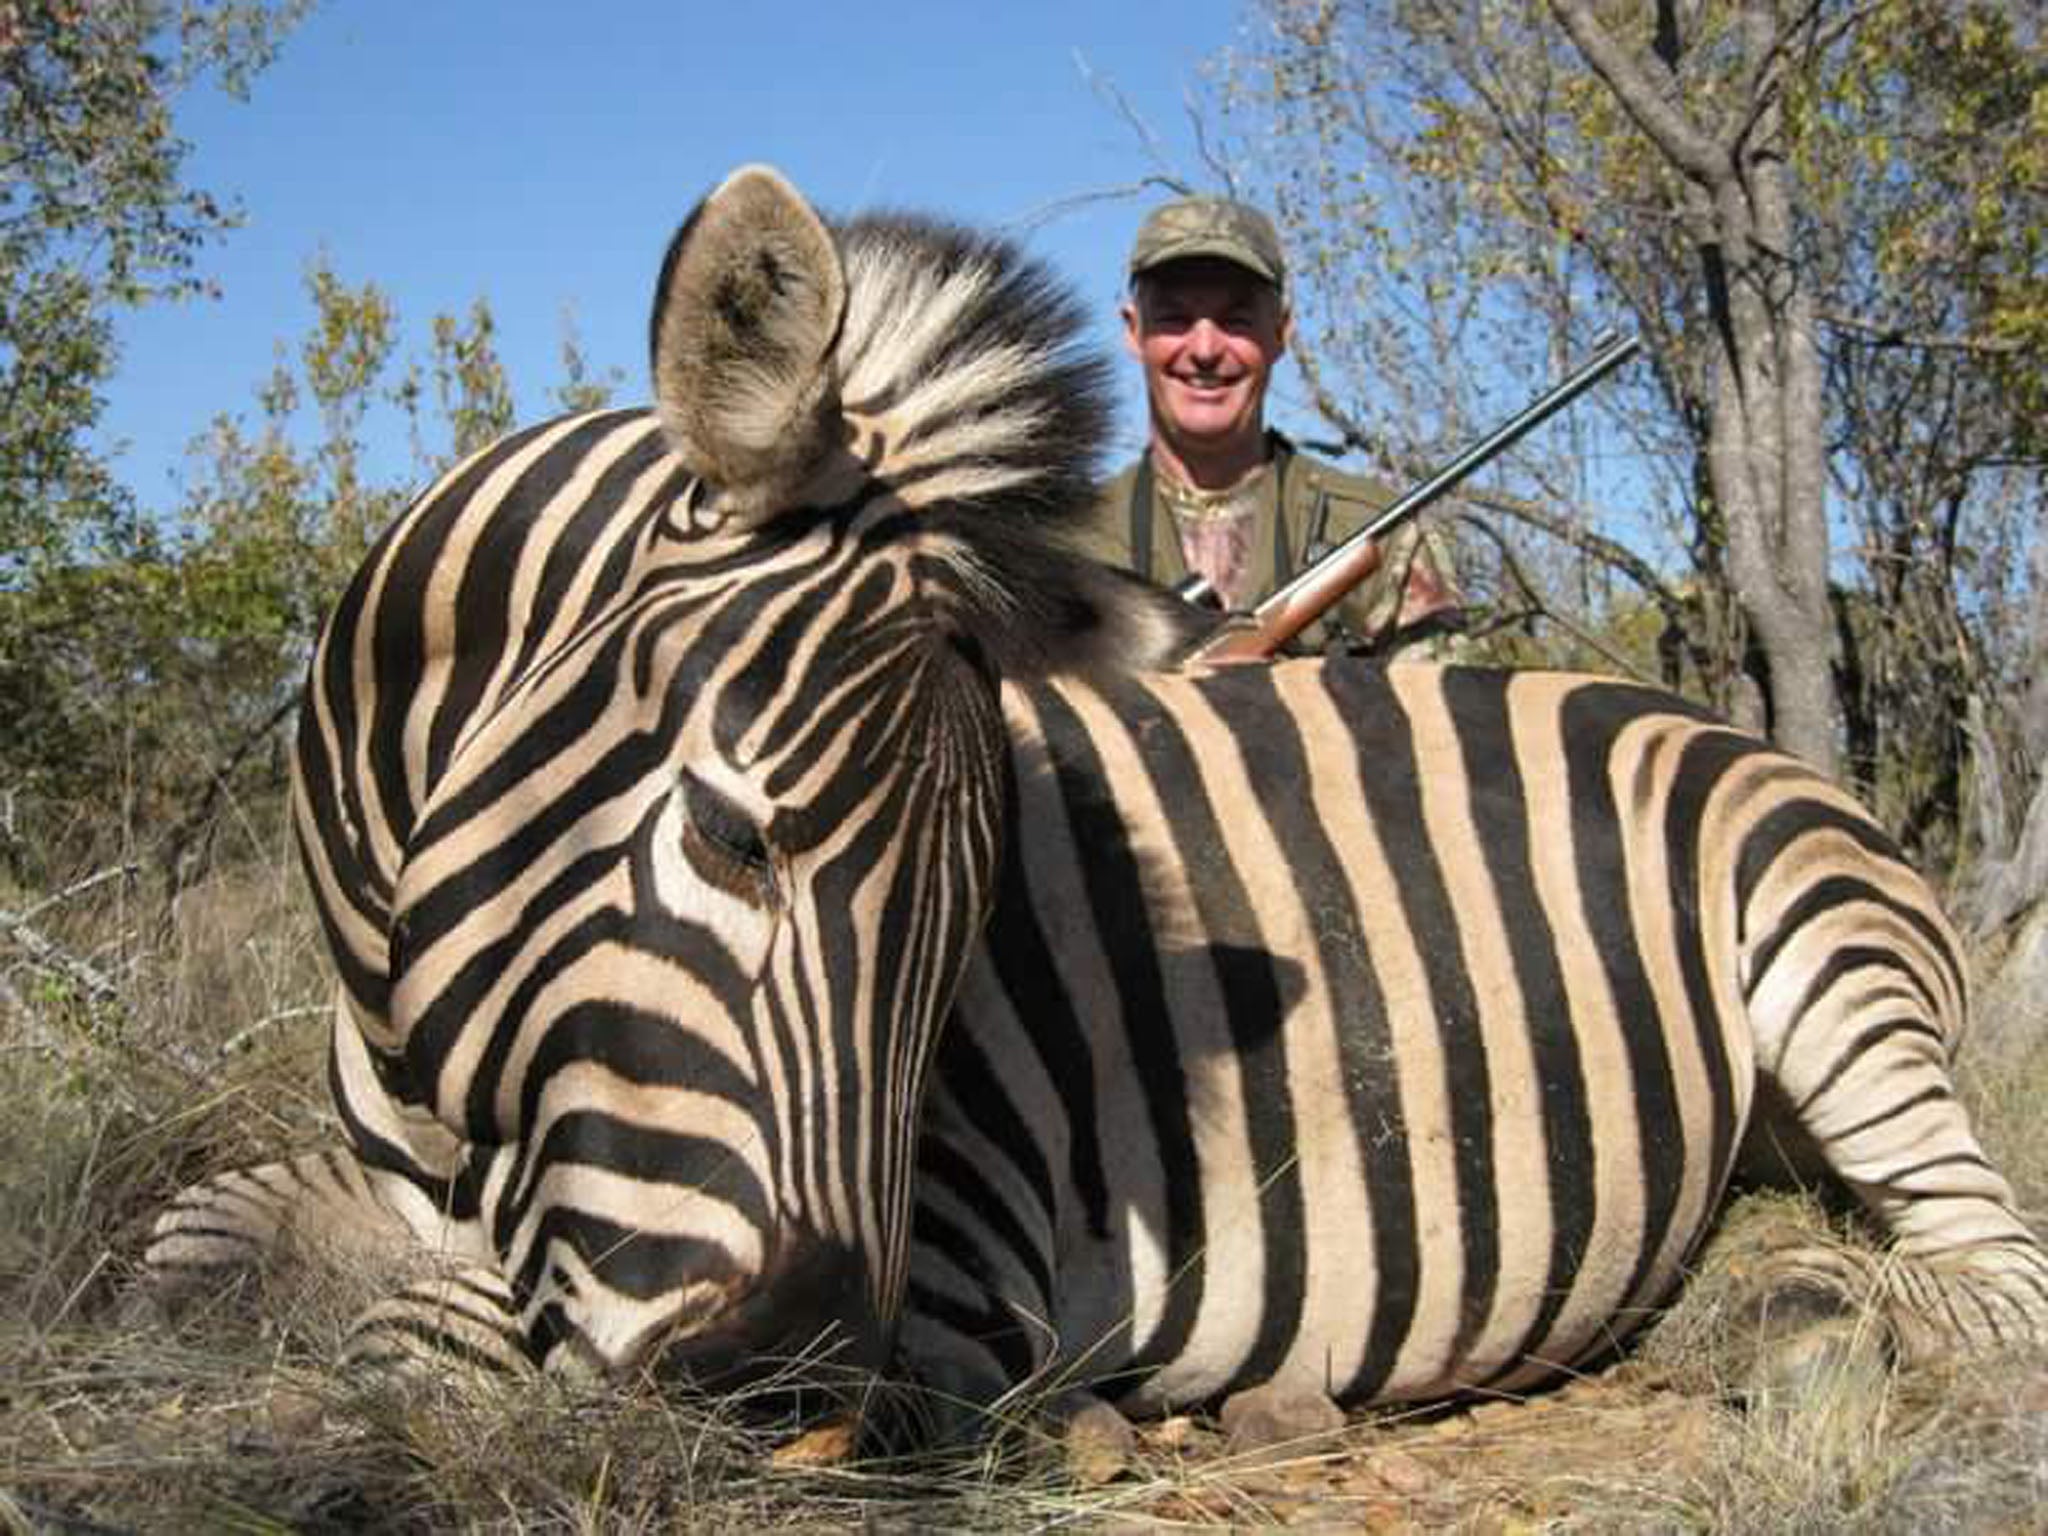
(984, 1369)
(466, 1316)
(248, 1221)
(1094, 1436)
(323, 1212)
(323, 1205)
(1857, 1079)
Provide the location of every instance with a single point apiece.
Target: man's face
(1207, 333)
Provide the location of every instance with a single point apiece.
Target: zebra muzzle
(806, 1322)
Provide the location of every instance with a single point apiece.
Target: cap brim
(1232, 251)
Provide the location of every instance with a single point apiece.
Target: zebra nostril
(591, 1332)
(808, 1315)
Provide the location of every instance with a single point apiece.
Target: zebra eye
(725, 844)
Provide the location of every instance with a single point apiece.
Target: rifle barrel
(1611, 352)
(1304, 599)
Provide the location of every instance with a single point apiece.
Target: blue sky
(541, 155)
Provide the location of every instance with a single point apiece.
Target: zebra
(598, 782)
(1370, 1034)
(784, 901)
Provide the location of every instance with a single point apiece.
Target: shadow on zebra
(783, 902)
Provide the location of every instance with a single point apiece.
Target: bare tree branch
(78, 888)
(1057, 208)
(1107, 91)
(50, 955)
(1540, 606)
(1767, 79)
(1652, 109)
(1218, 167)
(179, 842)
(1880, 334)
(1163, 178)
(241, 1038)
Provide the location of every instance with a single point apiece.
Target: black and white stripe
(1387, 1033)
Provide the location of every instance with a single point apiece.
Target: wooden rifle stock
(1258, 635)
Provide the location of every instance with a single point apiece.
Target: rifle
(1258, 635)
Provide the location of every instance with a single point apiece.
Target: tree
(1733, 198)
(475, 396)
(1924, 152)
(150, 674)
(1748, 183)
(148, 655)
(162, 670)
(273, 524)
(94, 217)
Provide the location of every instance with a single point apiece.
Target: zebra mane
(965, 365)
(968, 360)
(794, 360)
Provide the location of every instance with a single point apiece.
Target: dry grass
(208, 1055)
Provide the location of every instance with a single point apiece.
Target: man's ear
(1286, 329)
(1133, 330)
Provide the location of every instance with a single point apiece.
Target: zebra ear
(746, 313)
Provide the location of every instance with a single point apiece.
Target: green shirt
(1299, 507)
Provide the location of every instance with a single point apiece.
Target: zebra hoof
(1266, 1418)
(1819, 1386)
(152, 1303)
(1815, 1335)
(1817, 1363)
(1096, 1439)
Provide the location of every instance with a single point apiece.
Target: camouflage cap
(1209, 226)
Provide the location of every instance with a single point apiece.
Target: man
(1219, 494)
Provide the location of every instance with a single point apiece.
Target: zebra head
(708, 862)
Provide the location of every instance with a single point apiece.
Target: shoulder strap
(1285, 566)
(1141, 516)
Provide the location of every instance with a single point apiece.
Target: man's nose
(1205, 339)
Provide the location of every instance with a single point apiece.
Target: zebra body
(776, 907)
(1394, 1032)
